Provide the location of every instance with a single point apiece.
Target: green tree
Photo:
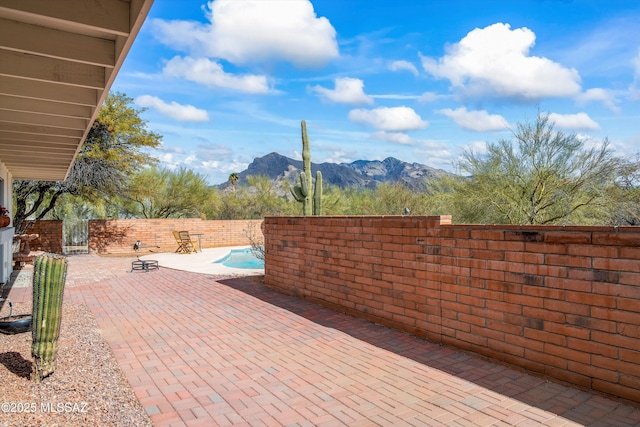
(262, 198)
(230, 205)
(387, 198)
(624, 196)
(334, 201)
(162, 193)
(70, 206)
(540, 176)
(233, 179)
(114, 149)
(257, 198)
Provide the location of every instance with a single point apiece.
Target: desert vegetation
(538, 175)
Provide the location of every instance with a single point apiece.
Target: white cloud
(593, 143)
(169, 149)
(607, 98)
(495, 61)
(403, 66)
(478, 121)
(435, 153)
(185, 36)
(183, 113)
(189, 160)
(338, 156)
(393, 119)
(476, 147)
(211, 164)
(575, 122)
(212, 161)
(209, 73)
(395, 96)
(167, 159)
(347, 91)
(394, 137)
(251, 32)
(224, 167)
(213, 151)
(429, 97)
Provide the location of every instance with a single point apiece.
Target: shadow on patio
(583, 407)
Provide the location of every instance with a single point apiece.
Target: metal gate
(75, 236)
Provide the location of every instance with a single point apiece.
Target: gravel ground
(87, 389)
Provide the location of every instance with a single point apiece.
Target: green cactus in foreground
(302, 193)
(49, 275)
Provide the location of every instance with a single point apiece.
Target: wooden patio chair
(182, 245)
(188, 245)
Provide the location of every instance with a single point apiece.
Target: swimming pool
(241, 258)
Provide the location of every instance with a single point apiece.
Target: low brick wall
(49, 236)
(559, 301)
(119, 236)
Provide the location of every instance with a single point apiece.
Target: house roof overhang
(58, 60)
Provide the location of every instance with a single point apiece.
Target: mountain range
(359, 174)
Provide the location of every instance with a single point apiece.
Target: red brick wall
(118, 236)
(49, 236)
(559, 301)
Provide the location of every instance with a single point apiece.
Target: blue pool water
(241, 258)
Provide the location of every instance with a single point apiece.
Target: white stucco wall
(6, 233)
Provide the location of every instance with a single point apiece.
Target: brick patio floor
(202, 351)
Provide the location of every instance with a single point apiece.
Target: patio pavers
(200, 350)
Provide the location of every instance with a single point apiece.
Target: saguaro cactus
(302, 193)
(317, 194)
(49, 276)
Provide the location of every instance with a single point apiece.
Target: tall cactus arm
(297, 194)
(304, 184)
(302, 192)
(296, 191)
(317, 194)
(305, 175)
(306, 153)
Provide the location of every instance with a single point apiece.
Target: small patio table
(199, 235)
(144, 265)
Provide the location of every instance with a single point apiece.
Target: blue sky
(227, 81)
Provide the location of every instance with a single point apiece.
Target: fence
(155, 235)
(75, 235)
(559, 301)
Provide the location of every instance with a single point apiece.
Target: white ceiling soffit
(58, 59)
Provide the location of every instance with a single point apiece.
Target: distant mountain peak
(357, 174)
